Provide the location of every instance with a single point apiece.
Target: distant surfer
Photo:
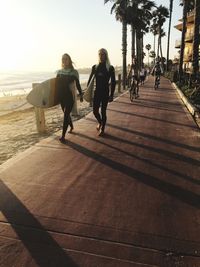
(103, 73)
(67, 79)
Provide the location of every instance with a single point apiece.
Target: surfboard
(45, 94)
(88, 94)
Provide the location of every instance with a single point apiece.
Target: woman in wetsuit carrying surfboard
(103, 73)
(67, 79)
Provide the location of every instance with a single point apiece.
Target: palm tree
(152, 54)
(139, 16)
(169, 29)
(196, 41)
(148, 48)
(120, 9)
(162, 34)
(154, 30)
(160, 15)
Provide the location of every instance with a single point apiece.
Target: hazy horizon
(34, 35)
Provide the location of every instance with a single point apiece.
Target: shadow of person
(44, 250)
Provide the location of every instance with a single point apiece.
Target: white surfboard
(45, 94)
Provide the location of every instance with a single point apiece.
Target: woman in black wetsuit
(67, 81)
(103, 73)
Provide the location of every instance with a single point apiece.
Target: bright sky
(35, 34)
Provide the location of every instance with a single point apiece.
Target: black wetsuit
(66, 98)
(102, 91)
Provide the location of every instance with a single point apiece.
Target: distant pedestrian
(103, 73)
(68, 81)
(142, 75)
(129, 76)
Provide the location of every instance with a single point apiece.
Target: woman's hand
(110, 99)
(81, 98)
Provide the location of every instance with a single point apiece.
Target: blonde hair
(70, 61)
(107, 58)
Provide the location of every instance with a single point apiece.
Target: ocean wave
(19, 83)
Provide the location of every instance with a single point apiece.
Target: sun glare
(16, 37)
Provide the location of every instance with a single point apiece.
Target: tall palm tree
(162, 34)
(152, 54)
(160, 15)
(139, 17)
(154, 30)
(120, 9)
(169, 29)
(148, 48)
(196, 41)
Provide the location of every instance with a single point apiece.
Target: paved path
(131, 198)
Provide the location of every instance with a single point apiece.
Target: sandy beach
(18, 124)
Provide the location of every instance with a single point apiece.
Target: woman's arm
(113, 81)
(78, 86)
(91, 74)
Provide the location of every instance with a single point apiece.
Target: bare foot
(62, 140)
(101, 133)
(71, 130)
(98, 127)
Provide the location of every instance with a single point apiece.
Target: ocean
(20, 83)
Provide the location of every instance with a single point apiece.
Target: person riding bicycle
(134, 77)
(157, 71)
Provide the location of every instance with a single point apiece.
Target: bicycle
(157, 82)
(134, 90)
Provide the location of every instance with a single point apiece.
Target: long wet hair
(107, 58)
(70, 61)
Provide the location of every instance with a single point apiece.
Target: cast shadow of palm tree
(153, 118)
(177, 104)
(159, 139)
(31, 232)
(139, 102)
(175, 191)
(148, 161)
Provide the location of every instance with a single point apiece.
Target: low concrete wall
(191, 108)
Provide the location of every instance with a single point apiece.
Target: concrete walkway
(131, 198)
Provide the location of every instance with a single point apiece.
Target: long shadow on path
(146, 105)
(153, 118)
(171, 154)
(148, 161)
(181, 194)
(50, 253)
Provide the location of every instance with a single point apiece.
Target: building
(189, 38)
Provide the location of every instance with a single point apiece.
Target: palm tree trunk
(154, 48)
(132, 42)
(196, 41)
(158, 44)
(161, 54)
(124, 52)
(169, 31)
(185, 8)
(137, 52)
(142, 51)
